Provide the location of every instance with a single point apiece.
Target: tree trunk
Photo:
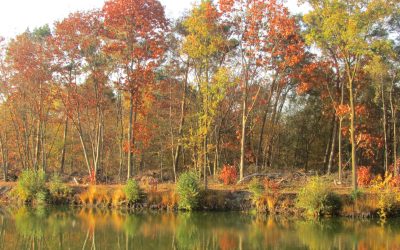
(37, 146)
(243, 138)
(4, 156)
(261, 137)
(332, 153)
(340, 161)
(329, 145)
(385, 163)
(43, 143)
(205, 161)
(269, 145)
(181, 125)
(62, 162)
(394, 111)
(352, 136)
(121, 134)
(130, 139)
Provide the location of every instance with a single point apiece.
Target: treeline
(111, 93)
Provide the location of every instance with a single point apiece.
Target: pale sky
(17, 15)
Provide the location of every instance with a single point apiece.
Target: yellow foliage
(388, 196)
(118, 197)
(96, 196)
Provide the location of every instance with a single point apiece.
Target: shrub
(272, 189)
(169, 200)
(228, 175)
(317, 200)
(132, 191)
(59, 191)
(388, 197)
(256, 189)
(41, 197)
(188, 191)
(118, 197)
(258, 198)
(29, 184)
(364, 176)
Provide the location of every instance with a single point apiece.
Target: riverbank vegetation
(228, 92)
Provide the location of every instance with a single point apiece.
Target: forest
(112, 93)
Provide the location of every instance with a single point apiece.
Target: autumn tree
(206, 45)
(346, 29)
(4, 123)
(135, 38)
(31, 59)
(83, 66)
(269, 50)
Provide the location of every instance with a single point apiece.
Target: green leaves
(188, 191)
(344, 25)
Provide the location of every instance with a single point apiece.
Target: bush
(256, 189)
(364, 176)
(188, 191)
(317, 200)
(59, 191)
(228, 175)
(132, 191)
(272, 189)
(41, 197)
(31, 185)
(388, 196)
(258, 198)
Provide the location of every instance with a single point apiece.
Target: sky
(18, 15)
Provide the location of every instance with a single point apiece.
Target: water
(66, 228)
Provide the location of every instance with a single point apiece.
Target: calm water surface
(67, 228)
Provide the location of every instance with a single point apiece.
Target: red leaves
(228, 174)
(364, 176)
(342, 110)
(139, 24)
(303, 88)
(226, 5)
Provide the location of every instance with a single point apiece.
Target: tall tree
(270, 49)
(206, 45)
(135, 31)
(346, 28)
(30, 56)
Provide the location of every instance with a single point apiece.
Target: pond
(67, 228)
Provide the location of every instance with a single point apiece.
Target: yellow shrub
(118, 197)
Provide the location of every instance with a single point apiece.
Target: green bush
(256, 189)
(317, 200)
(41, 197)
(258, 197)
(132, 191)
(59, 191)
(31, 185)
(188, 191)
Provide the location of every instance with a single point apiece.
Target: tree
(81, 55)
(346, 29)
(31, 59)
(206, 45)
(135, 38)
(269, 51)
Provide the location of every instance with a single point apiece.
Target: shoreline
(221, 200)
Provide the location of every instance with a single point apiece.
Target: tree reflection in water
(68, 228)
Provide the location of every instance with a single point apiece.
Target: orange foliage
(364, 176)
(228, 174)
